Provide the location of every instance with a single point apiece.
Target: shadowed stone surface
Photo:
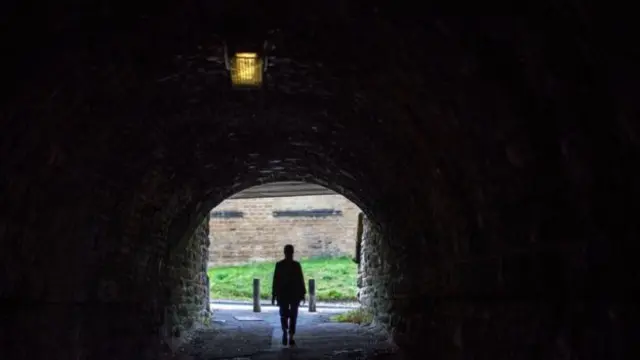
(188, 283)
(495, 156)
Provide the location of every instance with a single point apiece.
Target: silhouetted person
(289, 290)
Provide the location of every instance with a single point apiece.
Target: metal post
(312, 295)
(208, 295)
(256, 295)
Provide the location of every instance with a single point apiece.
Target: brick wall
(245, 230)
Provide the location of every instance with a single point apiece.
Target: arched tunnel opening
(187, 315)
(494, 157)
(248, 231)
(243, 237)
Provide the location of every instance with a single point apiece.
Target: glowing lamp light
(246, 63)
(246, 70)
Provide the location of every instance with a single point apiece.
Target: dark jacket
(288, 281)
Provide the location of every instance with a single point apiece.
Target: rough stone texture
(189, 284)
(496, 155)
(260, 236)
(373, 278)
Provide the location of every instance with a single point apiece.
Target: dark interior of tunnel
(494, 156)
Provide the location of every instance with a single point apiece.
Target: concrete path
(322, 304)
(236, 332)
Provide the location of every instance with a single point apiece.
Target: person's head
(288, 251)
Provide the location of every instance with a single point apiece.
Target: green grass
(335, 279)
(358, 316)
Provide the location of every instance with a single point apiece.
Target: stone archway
(186, 306)
(497, 156)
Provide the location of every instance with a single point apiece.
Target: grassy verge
(358, 316)
(335, 279)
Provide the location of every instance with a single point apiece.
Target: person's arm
(302, 285)
(275, 283)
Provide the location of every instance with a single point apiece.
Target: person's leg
(284, 319)
(293, 319)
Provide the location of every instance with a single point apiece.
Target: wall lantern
(246, 65)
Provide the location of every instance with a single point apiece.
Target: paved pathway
(238, 333)
(319, 304)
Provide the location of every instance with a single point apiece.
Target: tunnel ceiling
(148, 85)
(398, 109)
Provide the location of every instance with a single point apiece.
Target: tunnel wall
(504, 302)
(110, 301)
(188, 285)
(372, 278)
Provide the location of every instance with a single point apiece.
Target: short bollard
(256, 295)
(312, 295)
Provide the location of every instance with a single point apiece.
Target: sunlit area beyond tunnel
(248, 236)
